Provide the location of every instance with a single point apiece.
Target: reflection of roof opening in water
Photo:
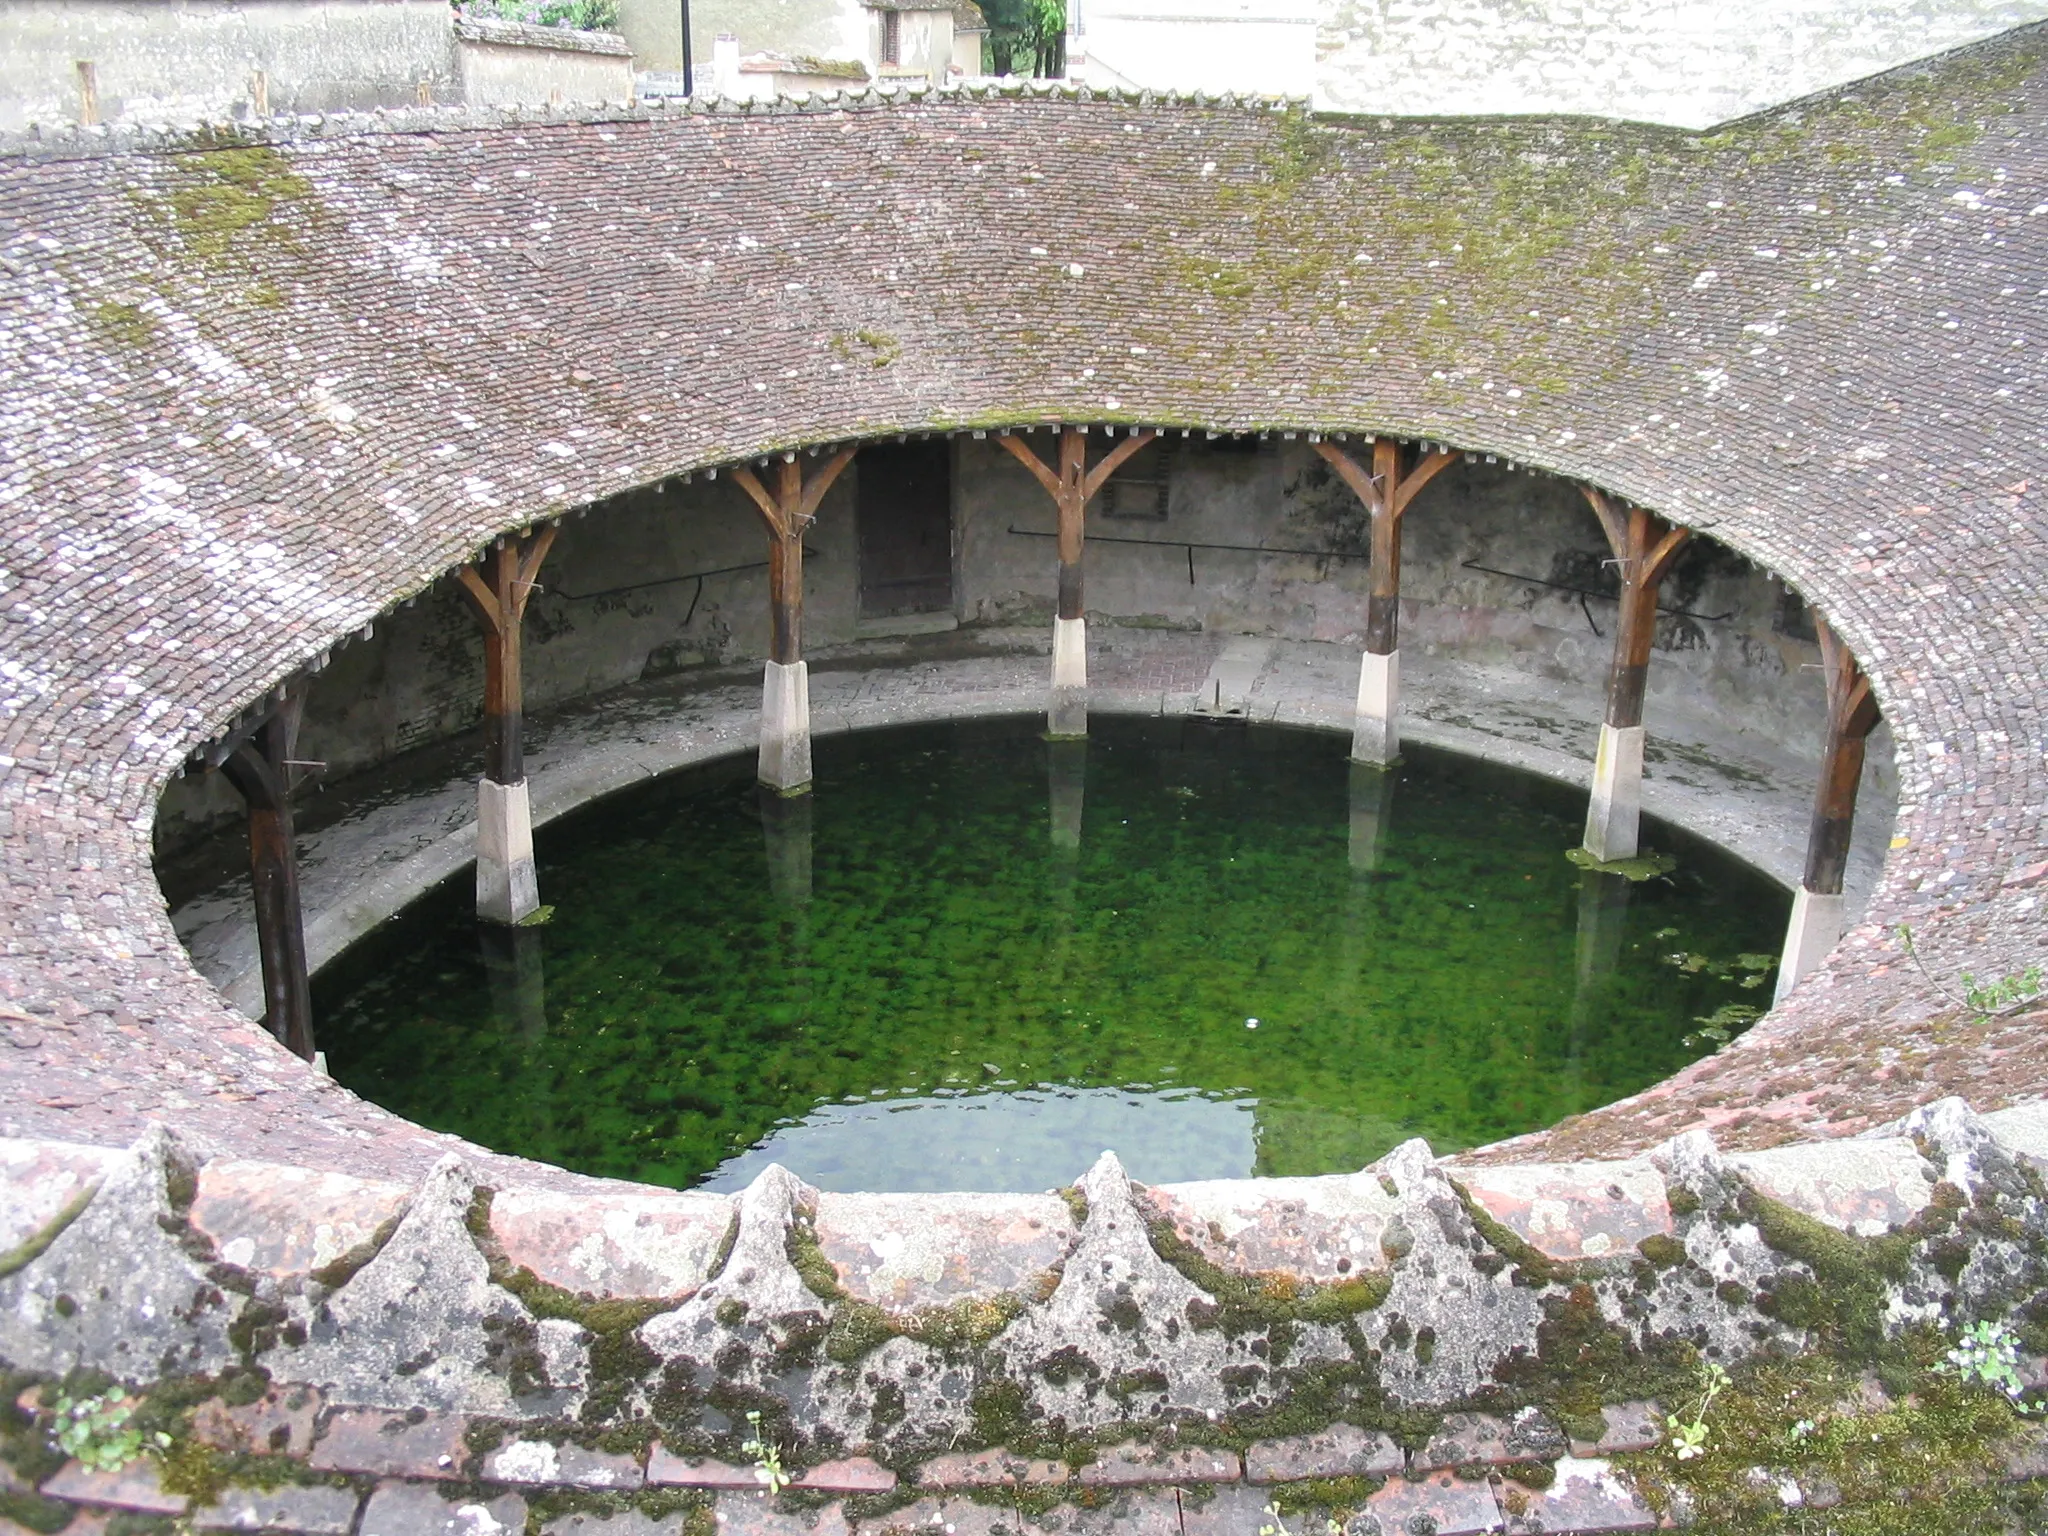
(1048, 1136)
(1037, 1138)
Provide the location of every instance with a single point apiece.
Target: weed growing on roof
(767, 1456)
(95, 1432)
(1689, 1437)
(1989, 1355)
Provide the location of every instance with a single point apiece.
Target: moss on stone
(34, 1512)
(812, 1266)
(547, 1505)
(1271, 1301)
(617, 1361)
(32, 1247)
(1928, 1462)
(1077, 1203)
(1843, 1299)
(226, 202)
(1336, 1498)
(1532, 1267)
(339, 1271)
(126, 325)
(1662, 1250)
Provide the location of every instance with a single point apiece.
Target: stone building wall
(1657, 61)
(199, 61)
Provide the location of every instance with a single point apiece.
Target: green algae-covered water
(973, 959)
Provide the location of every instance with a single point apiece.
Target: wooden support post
(258, 760)
(1387, 489)
(88, 92)
(785, 760)
(1817, 905)
(498, 586)
(1644, 547)
(1072, 486)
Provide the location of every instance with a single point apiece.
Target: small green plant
(767, 1456)
(1995, 997)
(1986, 1000)
(1689, 1438)
(1274, 1525)
(1988, 1354)
(95, 1432)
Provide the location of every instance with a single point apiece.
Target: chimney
(725, 65)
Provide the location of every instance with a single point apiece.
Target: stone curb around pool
(563, 786)
(382, 1318)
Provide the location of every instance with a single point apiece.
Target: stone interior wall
(191, 62)
(418, 678)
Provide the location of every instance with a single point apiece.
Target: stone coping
(444, 1334)
(522, 34)
(241, 440)
(43, 141)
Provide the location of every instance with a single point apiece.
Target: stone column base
(786, 727)
(1614, 816)
(1376, 733)
(1815, 927)
(1067, 709)
(507, 891)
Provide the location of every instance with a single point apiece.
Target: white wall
(157, 62)
(1266, 46)
(505, 64)
(1692, 63)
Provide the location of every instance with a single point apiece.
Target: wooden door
(906, 529)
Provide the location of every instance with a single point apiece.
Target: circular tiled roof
(259, 387)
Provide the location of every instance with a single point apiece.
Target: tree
(1027, 37)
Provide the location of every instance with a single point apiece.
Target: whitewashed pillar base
(507, 890)
(1067, 709)
(1815, 928)
(1614, 814)
(1376, 732)
(786, 727)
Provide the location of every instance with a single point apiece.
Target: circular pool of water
(974, 959)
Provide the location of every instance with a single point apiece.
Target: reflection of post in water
(517, 977)
(1066, 783)
(786, 838)
(1066, 780)
(786, 834)
(1371, 806)
(1372, 813)
(1603, 920)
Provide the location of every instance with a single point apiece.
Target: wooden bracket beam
(260, 764)
(498, 587)
(788, 511)
(1852, 716)
(1644, 547)
(1072, 486)
(1387, 491)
